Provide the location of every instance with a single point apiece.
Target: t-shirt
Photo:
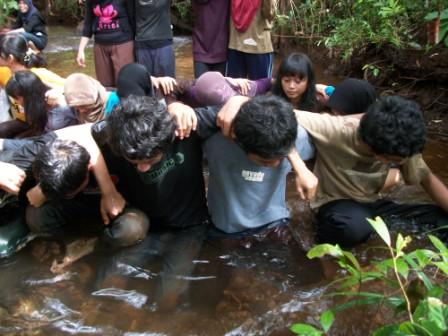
(345, 166)
(110, 21)
(210, 31)
(153, 23)
(242, 195)
(257, 38)
(172, 192)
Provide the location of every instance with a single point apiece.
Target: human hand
(185, 118)
(306, 181)
(81, 59)
(36, 197)
(112, 204)
(225, 116)
(55, 97)
(242, 83)
(11, 177)
(166, 84)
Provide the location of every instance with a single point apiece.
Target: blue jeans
(251, 66)
(39, 41)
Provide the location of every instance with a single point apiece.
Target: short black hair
(395, 126)
(139, 128)
(266, 126)
(60, 168)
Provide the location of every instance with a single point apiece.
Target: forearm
(83, 43)
(82, 135)
(437, 190)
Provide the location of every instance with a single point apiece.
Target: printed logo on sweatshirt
(106, 16)
(252, 176)
(156, 175)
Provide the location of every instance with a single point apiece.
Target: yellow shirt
(50, 78)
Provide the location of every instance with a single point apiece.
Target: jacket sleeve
(130, 8)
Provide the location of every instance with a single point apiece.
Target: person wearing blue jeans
(30, 24)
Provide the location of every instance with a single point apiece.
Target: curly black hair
(266, 126)
(139, 128)
(394, 126)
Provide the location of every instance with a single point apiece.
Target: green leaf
(438, 312)
(352, 259)
(439, 245)
(402, 268)
(380, 227)
(390, 330)
(442, 266)
(326, 320)
(305, 329)
(324, 249)
(413, 329)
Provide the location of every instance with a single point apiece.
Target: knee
(43, 219)
(128, 229)
(343, 228)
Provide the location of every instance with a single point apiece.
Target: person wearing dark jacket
(111, 22)
(30, 24)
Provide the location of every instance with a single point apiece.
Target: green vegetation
(413, 284)
(349, 25)
(7, 7)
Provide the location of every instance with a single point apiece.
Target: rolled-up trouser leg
(129, 228)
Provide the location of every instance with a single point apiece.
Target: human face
(23, 7)
(294, 87)
(261, 161)
(144, 165)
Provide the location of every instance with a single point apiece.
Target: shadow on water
(259, 290)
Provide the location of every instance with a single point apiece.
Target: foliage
(6, 9)
(183, 7)
(414, 283)
(66, 9)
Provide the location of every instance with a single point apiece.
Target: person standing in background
(154, 37)
(210, 35)
(111, 22)
(250, 53)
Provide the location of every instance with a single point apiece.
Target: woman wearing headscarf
(91, 100)
(31, 24)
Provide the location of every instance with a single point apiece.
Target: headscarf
(31, 10)
(212, 88)
(84, 91)
(134, 79)
(352, 96)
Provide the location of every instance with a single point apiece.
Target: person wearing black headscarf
(31, 24)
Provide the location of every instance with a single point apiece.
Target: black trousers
(344, 221)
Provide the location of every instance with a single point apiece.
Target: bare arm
(112, 203)
(306, 181)
(437, 190)
(81, 57)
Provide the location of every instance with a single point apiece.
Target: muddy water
(234, 290)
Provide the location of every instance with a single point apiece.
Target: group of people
(146, 141)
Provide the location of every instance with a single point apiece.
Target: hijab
(31, 10)
(134, 79)
(81, 90)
